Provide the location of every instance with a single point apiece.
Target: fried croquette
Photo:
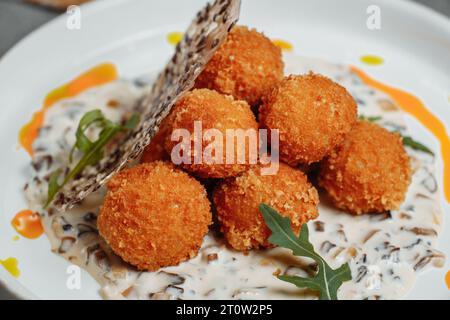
(369, 173)
(154, 215)
(247, 66)
(219, 112)
(312, 113)
(155, 150)
(237, 200)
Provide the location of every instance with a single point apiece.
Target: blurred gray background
(18, 18)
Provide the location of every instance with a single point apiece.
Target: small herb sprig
(370, 118)
(92, 151)
(413, 144)
(327, 281)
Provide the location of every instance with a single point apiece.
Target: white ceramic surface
(414, 42)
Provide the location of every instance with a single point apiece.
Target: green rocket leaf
(370, 119)
(92, 151)
(410, 142)
(327, 281)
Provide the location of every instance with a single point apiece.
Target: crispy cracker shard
(208, 30)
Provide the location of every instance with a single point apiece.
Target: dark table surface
(17, 19)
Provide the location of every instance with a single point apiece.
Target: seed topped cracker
(202, 38)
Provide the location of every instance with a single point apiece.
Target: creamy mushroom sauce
(385, 251)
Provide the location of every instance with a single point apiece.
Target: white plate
(414, 42)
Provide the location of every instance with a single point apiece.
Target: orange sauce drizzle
(416, 108)
(98, 75)
(28, 224)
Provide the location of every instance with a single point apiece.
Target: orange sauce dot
(174, 38)
(11, 265)
(372, 60)
(283, 45)
(28, 224)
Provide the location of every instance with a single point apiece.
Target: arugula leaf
(410, 142)
(53, 185)
(132, 122)
(83, 143)
(370, 119)
(93, 151)
(327, 281)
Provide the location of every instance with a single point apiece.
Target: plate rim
(14, 287)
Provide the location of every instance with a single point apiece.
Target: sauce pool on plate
(385, 252)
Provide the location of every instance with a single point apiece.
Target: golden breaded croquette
(215, 111)
(154, 215)
(155, 150)
(247, 66)
(369, 173)
(313, 115)
(237, 201)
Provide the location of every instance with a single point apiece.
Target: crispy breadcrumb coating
(155, 150)
(154, 215)
(247, 66)
(369, 173)
(313, 115)
(237, 200)
(215, 111)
